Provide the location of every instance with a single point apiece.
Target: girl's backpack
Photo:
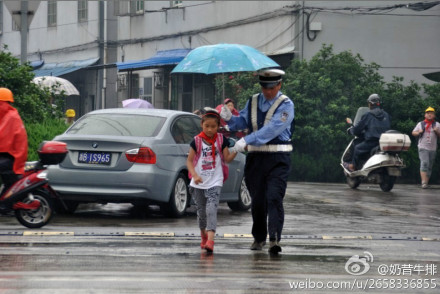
(219, 143)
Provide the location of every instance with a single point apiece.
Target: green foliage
(33, 103)
(327, 89)
(43, 131)
(237, 86)
(40, 110)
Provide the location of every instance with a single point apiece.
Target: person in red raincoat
(13, 141)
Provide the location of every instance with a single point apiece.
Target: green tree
(325, 90)
(31, 101)
(40, 110)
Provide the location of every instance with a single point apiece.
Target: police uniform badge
(284, 116)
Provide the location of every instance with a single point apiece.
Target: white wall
(69, 40)
(406, 44)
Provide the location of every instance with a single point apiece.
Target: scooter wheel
(39, 217)
(353, 182)
(387, 183)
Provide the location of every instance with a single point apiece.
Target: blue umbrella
(222, 58)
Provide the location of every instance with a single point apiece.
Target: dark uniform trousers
(266, 177)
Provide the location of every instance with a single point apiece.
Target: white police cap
(269, 78)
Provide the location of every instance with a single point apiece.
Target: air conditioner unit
(122, 82)
(159, 80)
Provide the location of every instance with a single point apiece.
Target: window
(176, 3)
(185, 129)
(82, 11)
(114, 124)
(139, 7)
(148, 90)
(51, 13)
(131, 8)
(15, 26)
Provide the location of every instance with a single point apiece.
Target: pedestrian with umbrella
(269, 117)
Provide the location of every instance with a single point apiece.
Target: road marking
(237, 236)
(346, 237)
(150, 234)
(31, 233)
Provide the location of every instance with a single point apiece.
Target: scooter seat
(374, 150)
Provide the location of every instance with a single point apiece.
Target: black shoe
(258, 245)
(274, 247)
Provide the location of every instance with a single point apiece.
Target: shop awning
(36, 64)
(285, 50)
(62, 68)
(162, 58)
(433, 76)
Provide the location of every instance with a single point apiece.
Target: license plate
(95, 157)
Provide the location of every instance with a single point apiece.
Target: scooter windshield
(360, 112)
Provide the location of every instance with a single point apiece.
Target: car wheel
(179, 198)
(70, 207)
(244, 199)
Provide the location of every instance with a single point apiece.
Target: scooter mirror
(349, 121)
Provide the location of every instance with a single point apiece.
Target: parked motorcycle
(383, 165)
(31, 198)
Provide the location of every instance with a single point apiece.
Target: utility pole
(22, 13)
(100, 78)
(24, 31)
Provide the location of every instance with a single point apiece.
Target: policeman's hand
(239, 146)
(226, 114)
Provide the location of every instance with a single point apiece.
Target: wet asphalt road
(117, 248)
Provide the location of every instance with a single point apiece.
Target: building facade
(114, 50)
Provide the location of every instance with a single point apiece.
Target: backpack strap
(199, 147)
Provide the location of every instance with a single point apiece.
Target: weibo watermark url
(359, 265)
(364, 284)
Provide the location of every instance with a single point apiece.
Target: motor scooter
(31, 198)
(383, 165)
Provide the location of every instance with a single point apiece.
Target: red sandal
(209, 246)
(204, 239)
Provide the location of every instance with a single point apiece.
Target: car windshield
(118, 125)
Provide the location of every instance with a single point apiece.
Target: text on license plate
(94, 157)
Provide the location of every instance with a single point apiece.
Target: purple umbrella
(136, 103)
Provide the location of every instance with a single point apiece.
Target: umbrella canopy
(222, 58)
(136, 103)
(56, 85)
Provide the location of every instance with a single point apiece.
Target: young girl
(206, 164)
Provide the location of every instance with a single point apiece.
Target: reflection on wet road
(325, 225)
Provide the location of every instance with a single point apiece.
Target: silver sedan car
(136, 156)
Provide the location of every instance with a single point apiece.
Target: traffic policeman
(269, 116)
